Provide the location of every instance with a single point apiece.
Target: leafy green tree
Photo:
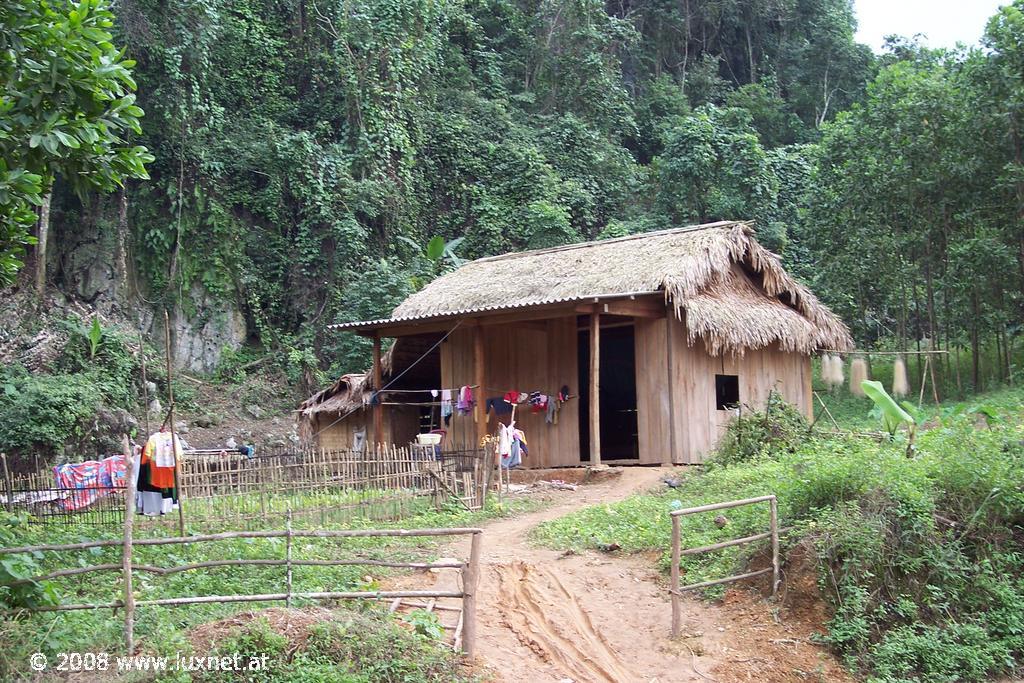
(67, 111)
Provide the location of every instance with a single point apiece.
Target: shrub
(45, 411)
(757, 434)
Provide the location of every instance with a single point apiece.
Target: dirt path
(546, 616)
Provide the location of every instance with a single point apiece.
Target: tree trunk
(975, 344)
(122, 243)
(42, 236)
(930, 299)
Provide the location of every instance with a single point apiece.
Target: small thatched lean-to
(682, 326)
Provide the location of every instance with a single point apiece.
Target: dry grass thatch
(731, 291)
(346, 394)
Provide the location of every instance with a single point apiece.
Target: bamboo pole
(8, 483)
(145, 382)
(262, 597)
(479, 368)
(303, 533)
(470, 580)
(721, 506)
(170, 413)
(288, 560)
(676, 607)
(167, 571)
(378, 414)
(126, 552)
(773, 507)
(726, 544)
(715, 582)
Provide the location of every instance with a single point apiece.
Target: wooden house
(658, 337)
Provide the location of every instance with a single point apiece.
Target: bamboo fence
(227, 488)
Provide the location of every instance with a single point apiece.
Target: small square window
(727, 391)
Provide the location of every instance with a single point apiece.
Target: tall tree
(67, 111)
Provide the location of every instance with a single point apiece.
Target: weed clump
(752, 434)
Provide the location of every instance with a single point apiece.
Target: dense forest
(301, 154)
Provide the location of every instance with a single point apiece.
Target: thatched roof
(345, 395)
(729, 290)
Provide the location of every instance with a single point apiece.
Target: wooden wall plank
(654, 416)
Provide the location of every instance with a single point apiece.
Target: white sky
(944, 22)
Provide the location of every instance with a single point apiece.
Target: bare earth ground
(547, 616)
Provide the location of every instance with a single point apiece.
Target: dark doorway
(618, 392)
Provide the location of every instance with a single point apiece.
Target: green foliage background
(304, 151)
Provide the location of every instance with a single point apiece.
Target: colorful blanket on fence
(82, 484)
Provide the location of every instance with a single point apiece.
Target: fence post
(126, 548)
(288, 559)
(773, 506)
(470, 579)
(7, 484)
(676, 608)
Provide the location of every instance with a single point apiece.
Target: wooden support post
(595, 389)
(378, 410)
(676, 607)
(170, 421)
(675, 457)
(126, 548)
(470, 579)
(478, 378)
(8, 484)
(773, 509)
(288, 559)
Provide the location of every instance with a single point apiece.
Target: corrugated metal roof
(383, 322)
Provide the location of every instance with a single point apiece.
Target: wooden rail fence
(773, 533)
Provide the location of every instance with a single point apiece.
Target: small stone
(254, 410)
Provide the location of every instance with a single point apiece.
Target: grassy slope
(915, 597)
(163, 630)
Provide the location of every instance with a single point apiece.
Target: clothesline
(421, 391)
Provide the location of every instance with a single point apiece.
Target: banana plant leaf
(893, 415)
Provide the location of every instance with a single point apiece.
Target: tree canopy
(306, 152)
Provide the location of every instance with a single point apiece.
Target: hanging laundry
(538, 402)
(156, 493)
(82, 484)
(160, 451)
(515, 443)
(446, 403)
(551, 417)
(499, 405)
(465, 402)
(505, 433)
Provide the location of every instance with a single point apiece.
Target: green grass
(920, 558)
(163, 630)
